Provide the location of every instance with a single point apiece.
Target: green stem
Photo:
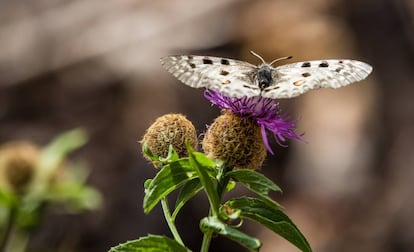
(206, 241)
(170, 221)
(221, 187)
(9, 228)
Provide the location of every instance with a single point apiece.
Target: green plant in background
(234, 148)
(31, 178)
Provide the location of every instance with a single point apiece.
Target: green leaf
(150, 243)
(188, 191)
(7, 198)
(203, 160)
(147, 183)
(230, 186)
(157, 161)
(254, 181)
(147, 152)
(56, 151)
(74, 196)
(28, 218)
(272, 217)
(172, 155)
(215, 225)
(202, 164)
(169, 178)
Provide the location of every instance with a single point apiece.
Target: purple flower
(264, 111)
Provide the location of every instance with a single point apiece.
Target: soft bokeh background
(95, 64)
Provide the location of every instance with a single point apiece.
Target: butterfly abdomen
(264, 76)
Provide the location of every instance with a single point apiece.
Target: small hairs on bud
(236, 141)
(169, 129)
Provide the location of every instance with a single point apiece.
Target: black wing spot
(339, 69)
(207, 61)
(224, 72)
(306, 64)
(340, 62)
(273, 87)
(192, 65)
(225, 62)
(323, 64)
(306, 74)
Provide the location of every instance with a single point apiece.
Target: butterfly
(235, 78)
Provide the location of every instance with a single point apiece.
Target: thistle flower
(170, 129)
(264, 112)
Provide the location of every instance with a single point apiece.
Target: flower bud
(170, 129)
(18, 163)
(236, 141)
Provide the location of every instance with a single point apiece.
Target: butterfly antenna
(257, 55)
(279, 59)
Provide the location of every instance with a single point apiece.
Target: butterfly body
(234, 78)
(264, 76)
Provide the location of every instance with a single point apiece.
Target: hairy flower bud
(170, 129)
(18, 163)
(263, 111)
(236, 141)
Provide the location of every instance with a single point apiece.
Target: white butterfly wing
(292, 80)
(228, 76)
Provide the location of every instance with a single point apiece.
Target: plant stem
(9, 228)
(206, 241)
(221, 187)
(170, 221)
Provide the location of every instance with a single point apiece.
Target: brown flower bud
(18, 163)
(236, 141)
(168, 129)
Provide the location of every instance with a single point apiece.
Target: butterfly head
(264, 72)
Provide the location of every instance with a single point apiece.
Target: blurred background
(95, 64)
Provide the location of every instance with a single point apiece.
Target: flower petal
(264, 111)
